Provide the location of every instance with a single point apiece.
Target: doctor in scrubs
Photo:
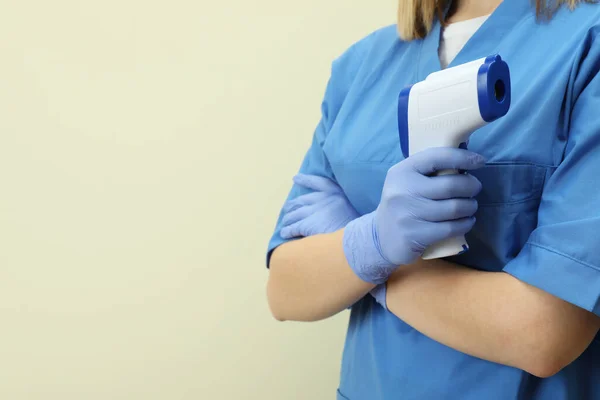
(515, 317)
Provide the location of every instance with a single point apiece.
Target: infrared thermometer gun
(445, 109)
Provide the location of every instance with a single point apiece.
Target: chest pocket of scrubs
(508, 206)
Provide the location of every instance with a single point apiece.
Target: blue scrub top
(539, 215)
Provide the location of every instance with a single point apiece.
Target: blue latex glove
(416, 210)
(325, 210)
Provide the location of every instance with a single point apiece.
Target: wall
(141, 170)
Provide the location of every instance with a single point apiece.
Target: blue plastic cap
(403, 119)
(493, 88)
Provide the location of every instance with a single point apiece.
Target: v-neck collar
(501, 21)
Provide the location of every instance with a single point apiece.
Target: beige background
(141, 171)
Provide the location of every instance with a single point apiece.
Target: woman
(516, 317)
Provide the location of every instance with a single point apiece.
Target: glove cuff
(380, 295)
(361, 248)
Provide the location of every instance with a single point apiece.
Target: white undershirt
(455, 36)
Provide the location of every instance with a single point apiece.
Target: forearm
(492, 316)
(311, 280)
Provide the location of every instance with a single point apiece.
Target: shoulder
(364, 55)
(363, 58)
(585, 17)
(369, 45)
(579, 31)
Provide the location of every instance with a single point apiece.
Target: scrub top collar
(506, 17)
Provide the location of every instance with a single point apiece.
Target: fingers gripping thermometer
(445, 109)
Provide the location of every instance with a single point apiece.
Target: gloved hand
(416, 210)
(325, 210)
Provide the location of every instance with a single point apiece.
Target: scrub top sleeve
(315, 160)
(562, 255)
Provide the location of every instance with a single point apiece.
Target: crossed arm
(492, 316)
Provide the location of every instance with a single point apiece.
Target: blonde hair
(415, 17)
